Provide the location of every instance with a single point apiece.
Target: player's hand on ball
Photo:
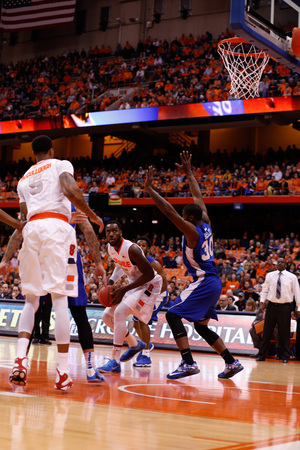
(118, 295)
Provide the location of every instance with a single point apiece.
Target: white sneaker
(18, 374)
(63, 380)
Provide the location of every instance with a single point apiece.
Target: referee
(278, 291)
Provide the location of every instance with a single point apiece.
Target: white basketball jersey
(41, 190)
(121, 258)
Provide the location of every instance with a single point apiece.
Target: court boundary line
(124, 389)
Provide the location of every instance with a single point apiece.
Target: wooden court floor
(139, 409)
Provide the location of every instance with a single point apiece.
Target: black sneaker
(45, 342)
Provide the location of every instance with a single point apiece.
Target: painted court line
(124, 389)
(286, 446)
(15, 394)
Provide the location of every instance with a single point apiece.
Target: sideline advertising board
(232, 327)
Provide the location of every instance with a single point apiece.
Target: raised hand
(149, 177)
(185, 165)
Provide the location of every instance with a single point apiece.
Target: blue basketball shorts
(81, 300)
(198, 300)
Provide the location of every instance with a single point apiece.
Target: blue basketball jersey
(198, 300)
(81, 300)
(199, 261)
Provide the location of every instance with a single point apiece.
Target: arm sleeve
(117, 274)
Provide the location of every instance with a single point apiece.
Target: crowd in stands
(215, 179)
(186, 70)
(242, 265)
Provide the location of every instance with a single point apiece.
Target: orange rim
(238, 40)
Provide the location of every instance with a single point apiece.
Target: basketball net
(245, 65)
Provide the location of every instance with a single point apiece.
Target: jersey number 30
(207, 247)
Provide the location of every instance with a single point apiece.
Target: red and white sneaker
(18, 374)
(63, 381)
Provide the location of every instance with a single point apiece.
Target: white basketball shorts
(47, 245)
(141, 299)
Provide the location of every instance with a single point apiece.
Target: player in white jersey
(49, 248)
(137, 297)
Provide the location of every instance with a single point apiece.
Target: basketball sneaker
(151, 347)
(143, 361)
(231, 369)
(111, 366)
(18, 374)
(63, 381)
(93, 376)
(131, 351)
(184, 370)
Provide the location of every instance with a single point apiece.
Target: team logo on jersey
(122, 263)
(207, 234)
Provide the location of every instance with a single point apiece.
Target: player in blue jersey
(78, 305)
(197, 302)
(143, 358)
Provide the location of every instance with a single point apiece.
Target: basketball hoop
(245, 65)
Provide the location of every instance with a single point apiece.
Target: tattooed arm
(9, 220)
(13, 244)
(74, 194)
(93, 244)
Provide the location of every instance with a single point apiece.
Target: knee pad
(206, 333)
(176, 325)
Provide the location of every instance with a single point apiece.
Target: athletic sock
(187, 356)
(117, 353)
(227, 356)
(131, 340)
(146, 352)
(90, 360)
(63, 362)
(22, 347)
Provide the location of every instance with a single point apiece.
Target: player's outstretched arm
(167, 209)
(9, 220)
(186, 167)
(93, 244)
(74, 194)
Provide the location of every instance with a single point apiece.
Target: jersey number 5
(207, 249)
(36, 186)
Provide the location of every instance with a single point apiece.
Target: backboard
(268, 24)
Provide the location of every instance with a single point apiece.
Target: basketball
(105, 295)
